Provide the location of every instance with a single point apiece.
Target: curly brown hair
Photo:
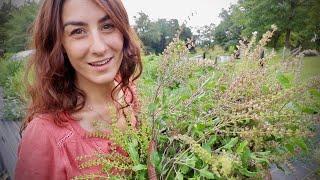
(53, 90)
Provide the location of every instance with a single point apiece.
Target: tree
(227, 33)
(16, 28)
(186, 32)
(291, 17)
(158, 34)
(5, 10)
(146, 31)
(205, 35)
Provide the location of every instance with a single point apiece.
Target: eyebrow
(80, 23)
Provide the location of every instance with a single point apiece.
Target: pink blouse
(47, 151)
(51, 152)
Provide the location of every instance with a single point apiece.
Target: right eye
(77, 31)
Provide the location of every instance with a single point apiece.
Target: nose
(98, 46)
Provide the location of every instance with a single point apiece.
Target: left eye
(108, 27)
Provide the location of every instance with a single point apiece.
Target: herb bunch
(218, 121)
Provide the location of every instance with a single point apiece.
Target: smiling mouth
(101, 63)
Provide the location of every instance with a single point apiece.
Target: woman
(85, 62)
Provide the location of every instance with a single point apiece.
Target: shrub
(5, 10)
(14, 109)
(228, 121)
(14, 85)
(11, 79)
(17, 26)
(8, 68)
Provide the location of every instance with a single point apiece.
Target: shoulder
(42, 130)
(37, 132)
(39, 124)
(39, 157)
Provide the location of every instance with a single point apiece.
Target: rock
(310, 52)
(17, 3)
(296, 51)
(21, 55)
(222, 59)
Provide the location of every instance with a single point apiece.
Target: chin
(105, 80)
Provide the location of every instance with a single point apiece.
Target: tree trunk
(287, 40)
(276, 39)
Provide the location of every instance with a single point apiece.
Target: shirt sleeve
(38, 155)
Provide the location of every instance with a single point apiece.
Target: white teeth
(100, 63)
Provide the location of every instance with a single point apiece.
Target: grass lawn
(311, 67)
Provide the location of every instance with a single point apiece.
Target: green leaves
(242, 146)
(246, 155)
(156, 160)
(247, 173)
(315, 93)
(132, 150)
(152, 107)
(295, 142)
(139, 167)
(231, 143)
(212, 140)
(284, 80)
(16, 28)
(206, 174)
(198, 129)
(179, 176)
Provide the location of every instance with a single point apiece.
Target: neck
(97, 95)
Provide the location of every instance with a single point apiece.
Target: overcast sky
(206, 11)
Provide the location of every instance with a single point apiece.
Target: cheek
(116, 42)
(76, 50)
(119, 45)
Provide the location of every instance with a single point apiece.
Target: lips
(101, 63)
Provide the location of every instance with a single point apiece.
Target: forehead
(84, 10)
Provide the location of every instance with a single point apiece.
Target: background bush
(15, 26)
(14, 91)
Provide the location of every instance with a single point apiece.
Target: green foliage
(133, 142)
(224, 121)
(4, 16)
(16, 35)
(296, 20)
(157, 35)
(14, 86)
(14, 109)
(11, 79)
(227, 33)
(7, 68)
(230, 120)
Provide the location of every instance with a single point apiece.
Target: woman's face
(92, 42)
